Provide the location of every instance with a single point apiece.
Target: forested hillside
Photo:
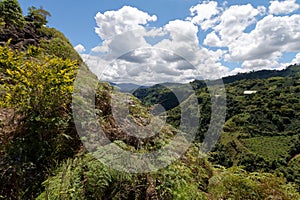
(43, 157)
(261, 132)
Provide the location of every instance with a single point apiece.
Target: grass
(271, 148)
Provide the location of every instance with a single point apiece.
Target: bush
(39, 90)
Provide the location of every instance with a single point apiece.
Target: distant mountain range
(162, 94)
(127, 87)
(290, 71)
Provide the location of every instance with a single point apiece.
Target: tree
(37, 16)
(11, 13)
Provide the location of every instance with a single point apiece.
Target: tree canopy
(38, 16)
(11, 13)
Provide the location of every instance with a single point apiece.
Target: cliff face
(20, 38)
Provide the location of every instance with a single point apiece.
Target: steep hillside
(37, 69)
(261, 131)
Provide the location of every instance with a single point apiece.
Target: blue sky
(217, 37)
(75, 18)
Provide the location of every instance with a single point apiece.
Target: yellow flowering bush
(40, 84)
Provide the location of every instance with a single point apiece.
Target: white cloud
(183, 39)
(177, 57)
(263, 44)
(183, 31)
(80, 48)
(148, 66)
(115, 28)
(234, 21)
(130, 52)
(283, 7)
(212, 40)
(184, 42)
(127, 18)
(96, 64)
(260, 64)
(296, 60)
(238, 70)
(202, 14)
(271, 36)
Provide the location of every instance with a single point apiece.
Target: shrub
(39, 90)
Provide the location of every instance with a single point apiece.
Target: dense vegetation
(36, 130)
(261, 132)
(42, 156)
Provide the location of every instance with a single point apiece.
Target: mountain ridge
(161, 95)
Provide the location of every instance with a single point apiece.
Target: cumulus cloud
(259, 64)
(248, 35)
(271, 36)
(115, 28)
(296, 60)
(234, 21)
(127, 18)
(148, 66)
(175, 57)
(183, 39)
(202, 14)
(80, 48)
(213, 40)
(283, 7)
(253, 37)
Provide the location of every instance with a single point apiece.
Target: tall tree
(38, 16)
(11, 13)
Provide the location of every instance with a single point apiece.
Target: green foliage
(40, 85)
(11, 13)
(86, 178)
(191, 177)
(163, 94)
(37, 16)
(39, 90)
(55, 43)
(292, 172)
(186, 178)
(271, 148)
(261, 131)
(59, 47)
(236, 183)
(32, 30)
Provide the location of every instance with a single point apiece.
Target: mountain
(290, 71)
(127, 87)
(261, 130)
(160, 93)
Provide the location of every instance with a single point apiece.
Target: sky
(147, 42)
